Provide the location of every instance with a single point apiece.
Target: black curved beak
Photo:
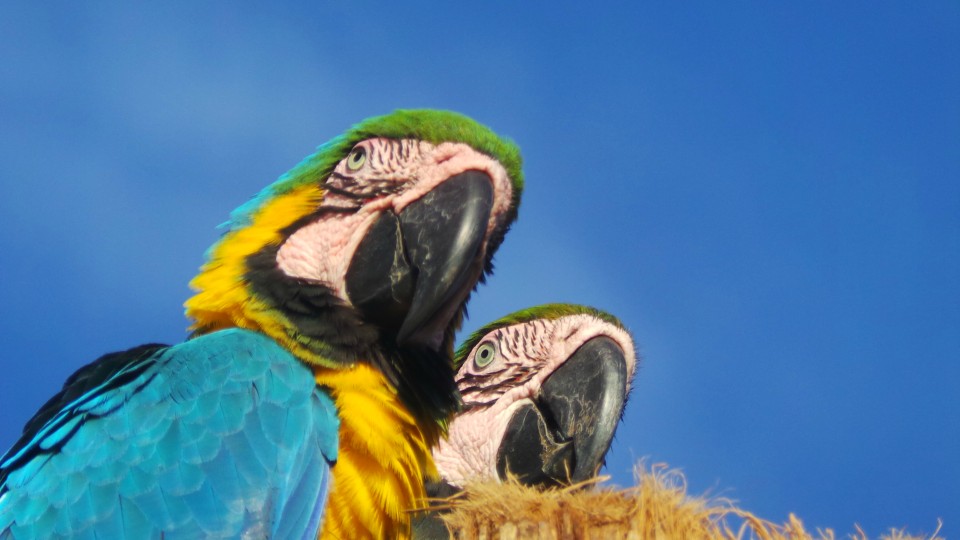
(411, 271)
(563, 436)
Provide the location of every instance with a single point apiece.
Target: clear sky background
(768, 195)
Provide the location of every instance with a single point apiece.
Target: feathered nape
(223, 298)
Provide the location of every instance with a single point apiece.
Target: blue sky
(767, 194)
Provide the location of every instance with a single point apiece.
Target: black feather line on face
(481, 390)
(371, 188)
(479, 404)
(479, 383)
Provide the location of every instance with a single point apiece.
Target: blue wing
(222, 436)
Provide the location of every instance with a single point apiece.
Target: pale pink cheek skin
(470, 451)
(321, 251)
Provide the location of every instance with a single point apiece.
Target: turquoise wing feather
(223, 436)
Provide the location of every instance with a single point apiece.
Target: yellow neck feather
(383, 457)
(222, 299)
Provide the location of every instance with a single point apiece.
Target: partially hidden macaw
(543, 390)
(319, 372)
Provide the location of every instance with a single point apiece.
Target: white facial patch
(392, 175)
(526, 355)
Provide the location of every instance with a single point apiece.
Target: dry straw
(658, 507)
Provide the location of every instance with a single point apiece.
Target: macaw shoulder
(243, 357)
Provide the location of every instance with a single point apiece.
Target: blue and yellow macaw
(319, 372)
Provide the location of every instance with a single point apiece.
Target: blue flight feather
(225, 435)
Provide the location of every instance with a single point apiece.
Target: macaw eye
(356, 159)
(486, 354)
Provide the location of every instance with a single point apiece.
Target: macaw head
(543, 391)
(368, 250)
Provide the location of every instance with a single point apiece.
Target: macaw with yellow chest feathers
(319, 372)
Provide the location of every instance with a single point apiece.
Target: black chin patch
(333, 329)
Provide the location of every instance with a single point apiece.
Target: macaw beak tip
(533, 451)
(564, 436)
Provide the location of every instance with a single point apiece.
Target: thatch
(658, 507)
